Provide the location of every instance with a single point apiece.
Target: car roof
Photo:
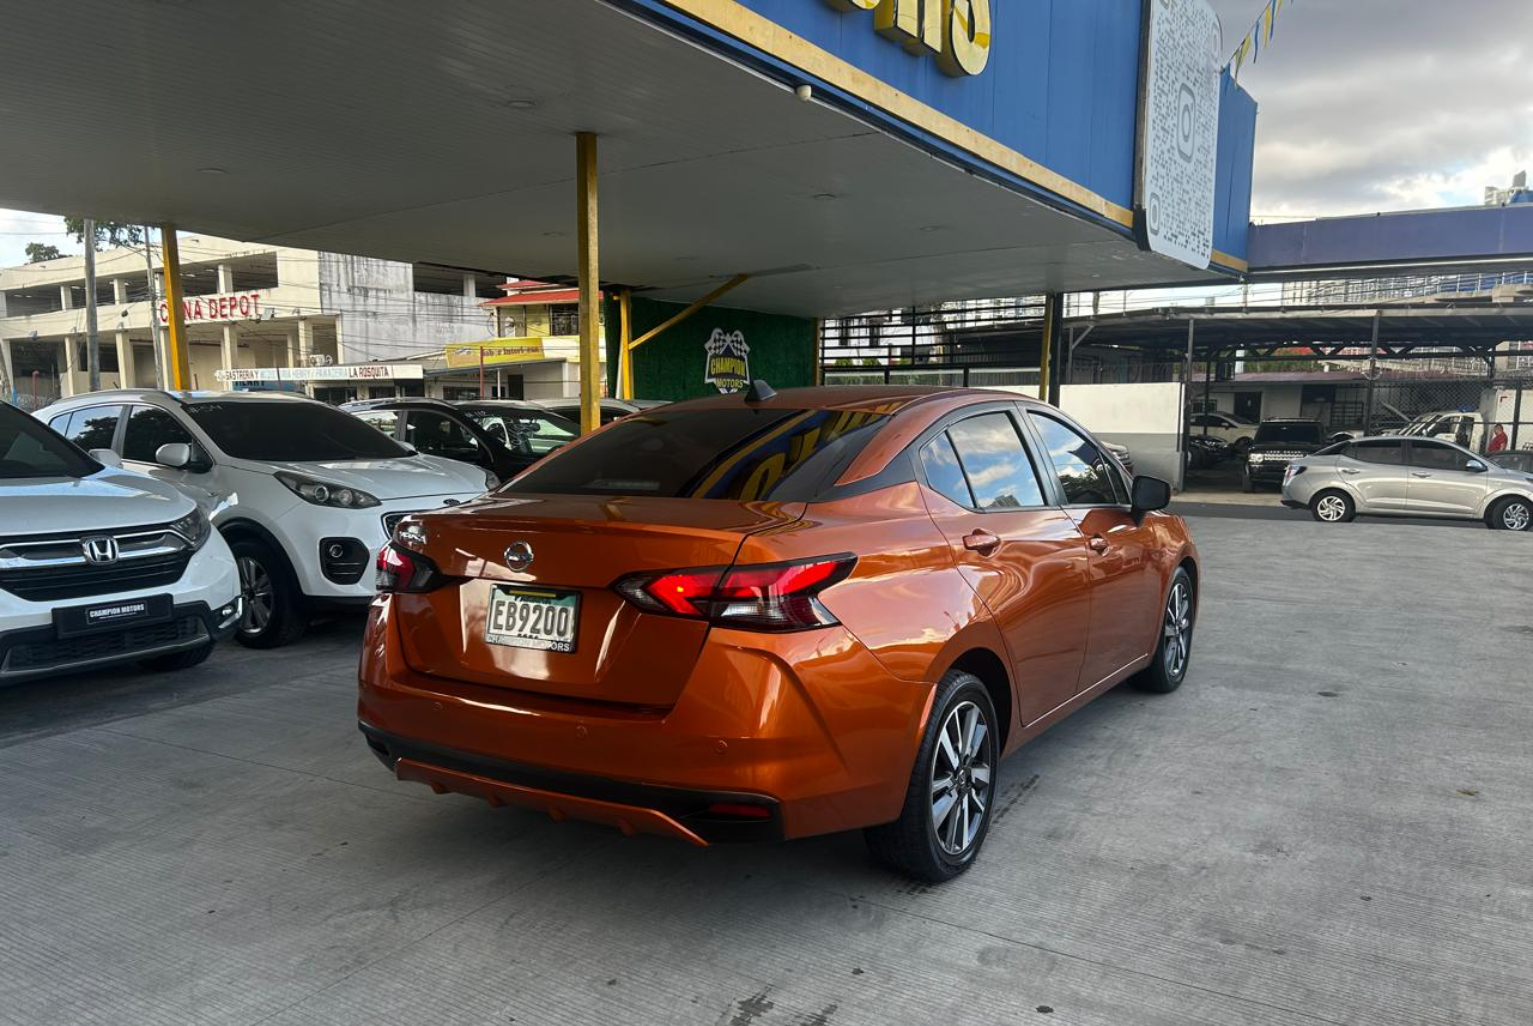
(185, 396)
(852, 397)
(514, 404)
(360, 405)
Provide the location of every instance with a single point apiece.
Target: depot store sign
(955, 32)
(203, 309)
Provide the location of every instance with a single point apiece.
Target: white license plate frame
(551, 622)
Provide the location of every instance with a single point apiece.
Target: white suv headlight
(194, 527)
(491, 480)
(324, 493)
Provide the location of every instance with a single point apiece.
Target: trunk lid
(580, 545)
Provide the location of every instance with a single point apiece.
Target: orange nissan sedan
(770, 615)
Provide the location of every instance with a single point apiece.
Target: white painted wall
(384, 318)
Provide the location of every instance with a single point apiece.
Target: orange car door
(1125, 583)
(1025, 558)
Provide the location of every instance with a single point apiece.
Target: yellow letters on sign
(966, 47)
(955, 32)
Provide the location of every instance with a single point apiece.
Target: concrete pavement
(1328, 824)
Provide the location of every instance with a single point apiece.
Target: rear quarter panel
(905, 600)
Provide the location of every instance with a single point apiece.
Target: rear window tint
(742, 454)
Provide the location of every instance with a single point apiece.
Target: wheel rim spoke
(943, 808)
(945, 743)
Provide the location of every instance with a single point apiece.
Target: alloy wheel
(1331, 508)
(1516, 517)
(1178, 642)
(961, 774)
(260, 596)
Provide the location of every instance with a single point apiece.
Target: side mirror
(107, 458)
(1475, 467)
(173, 454)
(1150, 494)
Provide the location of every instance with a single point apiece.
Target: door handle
(1414, 474)
(982, 542)
(1350, 471)
(1098, 544)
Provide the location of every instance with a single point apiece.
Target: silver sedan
(1408, 477)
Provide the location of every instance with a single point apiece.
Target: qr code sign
(1180, 144)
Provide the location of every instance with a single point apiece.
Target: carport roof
(1470, 326)
(442, 134)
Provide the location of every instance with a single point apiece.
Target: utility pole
(92, 336)
(154, 314)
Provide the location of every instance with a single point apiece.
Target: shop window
(564, 319)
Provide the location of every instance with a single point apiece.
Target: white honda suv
(304, 494)
(99, 565)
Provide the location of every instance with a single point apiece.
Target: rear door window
(94, 427)
(1378, 451)
(995, 463)
(1085, 475)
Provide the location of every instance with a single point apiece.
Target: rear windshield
(740, 454)
(1293, 432)
(28, 449)
(291, 432)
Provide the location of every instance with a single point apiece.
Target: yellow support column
(625, 344)
(590, 283)
(178, 369)
(1044, 368)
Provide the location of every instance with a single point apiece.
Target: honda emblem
(100, 549)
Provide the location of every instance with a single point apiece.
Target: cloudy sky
(1387, 104)
(1365, 105)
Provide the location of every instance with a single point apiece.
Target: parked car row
(127, 511)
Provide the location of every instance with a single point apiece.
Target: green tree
(37, 252)
(112, 233)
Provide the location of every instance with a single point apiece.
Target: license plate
(104, 616)
(532, 618)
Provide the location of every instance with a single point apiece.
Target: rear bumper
(809, 726)
(632, 808)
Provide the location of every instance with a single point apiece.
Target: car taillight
(400, 570)
(764, 597)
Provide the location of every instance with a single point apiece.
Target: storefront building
(251, 311)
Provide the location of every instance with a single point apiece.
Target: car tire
(1333, 507)
(935, 846)
(177, 660)
(1173, 652)
(1511, 514)
(1240, 445)
(274, 613)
